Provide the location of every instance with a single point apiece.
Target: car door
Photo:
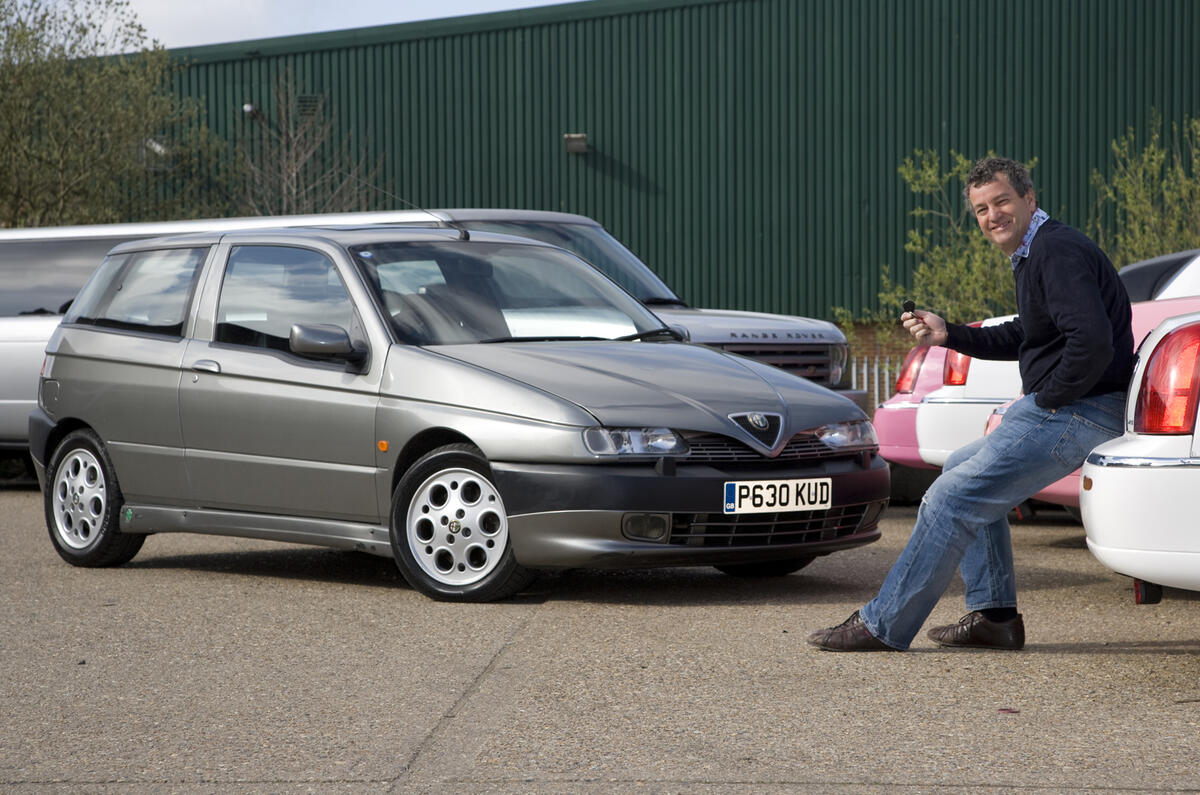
(266, 430)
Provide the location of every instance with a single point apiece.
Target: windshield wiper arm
(654, 332)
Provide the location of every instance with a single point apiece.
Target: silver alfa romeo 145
(474, 406)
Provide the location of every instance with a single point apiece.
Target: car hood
(675, 385)
(722, 326)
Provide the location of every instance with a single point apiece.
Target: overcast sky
(176, 24)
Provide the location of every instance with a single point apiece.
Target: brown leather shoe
(975, 631)
(850, 635)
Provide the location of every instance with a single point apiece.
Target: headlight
(634, 441)
(843, 435)
(837, 362)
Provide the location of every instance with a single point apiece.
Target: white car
(1135, 490)
(957, 413)
(949, 417)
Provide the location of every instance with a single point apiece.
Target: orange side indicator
(382, 445)
(1087, 483)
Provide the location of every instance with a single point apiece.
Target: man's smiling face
(1002, 214)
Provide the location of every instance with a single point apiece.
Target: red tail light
(954, 373)
(911, 369)
(1166, 401)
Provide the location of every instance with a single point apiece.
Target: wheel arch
(425, 442)
(59, 432)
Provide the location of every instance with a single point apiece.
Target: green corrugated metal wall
(746, 149)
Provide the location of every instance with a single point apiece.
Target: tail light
(1166, 401)
(911, 369)
(954, 372)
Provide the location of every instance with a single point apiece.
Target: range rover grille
(772, 529)
(806, 361)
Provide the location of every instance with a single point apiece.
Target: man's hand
(928, 328)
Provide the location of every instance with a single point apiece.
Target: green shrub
(960, 275)
(1150, 205)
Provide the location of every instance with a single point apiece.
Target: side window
(38, 277)
(141, 291)
(268, 289)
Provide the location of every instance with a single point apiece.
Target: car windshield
(460, 292)
(598, 247)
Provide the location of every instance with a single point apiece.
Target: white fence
(876, 375)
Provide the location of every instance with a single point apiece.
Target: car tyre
(449, 529)
(83, 504)
(780, 567)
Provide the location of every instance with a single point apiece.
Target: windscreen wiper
(654, 332)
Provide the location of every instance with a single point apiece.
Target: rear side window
(268, 289)
(146, 291)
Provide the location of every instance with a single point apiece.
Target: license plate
(773, 496)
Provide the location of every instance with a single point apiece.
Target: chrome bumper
(1140, 462)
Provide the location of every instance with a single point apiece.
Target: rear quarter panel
(126, 387)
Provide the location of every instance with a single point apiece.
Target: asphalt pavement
(224, 665)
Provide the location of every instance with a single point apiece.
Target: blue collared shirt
(1040, 217)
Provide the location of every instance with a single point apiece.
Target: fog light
(646, 526)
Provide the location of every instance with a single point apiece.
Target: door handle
(206, 365)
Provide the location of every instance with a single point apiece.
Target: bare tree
(292, 164)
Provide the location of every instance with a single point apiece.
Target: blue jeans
(963, 518)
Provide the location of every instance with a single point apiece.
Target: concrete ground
(225, 665)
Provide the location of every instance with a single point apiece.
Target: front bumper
(568, 516)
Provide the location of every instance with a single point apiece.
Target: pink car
(895, 419)
(955, 402)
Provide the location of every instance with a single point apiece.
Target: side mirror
(325, 341)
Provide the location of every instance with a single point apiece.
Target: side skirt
(323, 533)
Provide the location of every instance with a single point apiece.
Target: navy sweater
(1072, 338)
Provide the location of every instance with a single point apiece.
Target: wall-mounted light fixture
(576, 143)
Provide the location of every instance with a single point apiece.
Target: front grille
(770, 529)
(714, 448)
(806, 361)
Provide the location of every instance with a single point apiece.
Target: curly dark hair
(986, 169)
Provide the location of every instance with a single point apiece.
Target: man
(1074, 346)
